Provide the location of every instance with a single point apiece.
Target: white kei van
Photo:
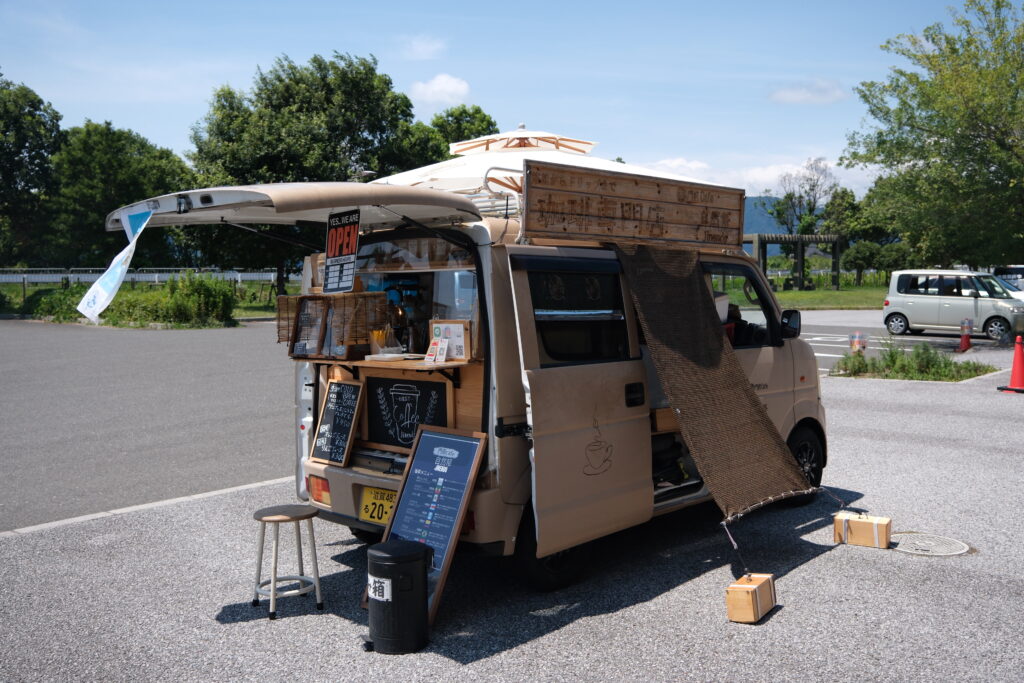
(942, 299)
(582, 439)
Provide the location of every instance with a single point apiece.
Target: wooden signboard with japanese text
(576, 203)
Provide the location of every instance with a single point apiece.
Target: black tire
(996, 328)
(897, 324)
(809, 453)
(367, 537)
(547, 573)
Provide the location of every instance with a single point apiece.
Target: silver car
(941, 299)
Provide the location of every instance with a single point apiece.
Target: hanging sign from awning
(340, 254)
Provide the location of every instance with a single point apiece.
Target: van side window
(950, 286)
(743, 305)
(918, 284)
(579, 316)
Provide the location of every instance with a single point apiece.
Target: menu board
(337, 420)
(434, 496)
(399, 406)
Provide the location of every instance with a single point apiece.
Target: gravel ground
(163, 593)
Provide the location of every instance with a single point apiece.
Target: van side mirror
(790, 324)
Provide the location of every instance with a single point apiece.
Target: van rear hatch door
(291, 203)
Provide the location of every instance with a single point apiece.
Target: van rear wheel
(897, 323)
(367, 537)
(547, 573)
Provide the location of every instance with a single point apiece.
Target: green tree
(29, 135)
(796, 206)
(894, 256)
(860, 257)
(948, 132)
(463, 122)
(333, 118)
(98, 169)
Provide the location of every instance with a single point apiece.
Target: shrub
(199, 299)
(60, 303)
(922, 363)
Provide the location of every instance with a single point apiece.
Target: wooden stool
(276, 515)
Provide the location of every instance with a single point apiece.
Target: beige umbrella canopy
(521, 139)
(490, 168)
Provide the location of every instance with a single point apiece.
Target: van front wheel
(996, 328)
(547, 573)
(809, 453)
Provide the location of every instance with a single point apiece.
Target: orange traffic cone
(1017, 373)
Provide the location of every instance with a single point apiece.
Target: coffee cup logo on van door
(598, 454)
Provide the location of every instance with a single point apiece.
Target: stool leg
(273, 577)
(298, 552)
(316, 569)
(259, 563)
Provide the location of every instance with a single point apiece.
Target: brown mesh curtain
(738, 451)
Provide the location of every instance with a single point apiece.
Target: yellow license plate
(376, 505)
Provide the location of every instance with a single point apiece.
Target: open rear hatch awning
(291, 203)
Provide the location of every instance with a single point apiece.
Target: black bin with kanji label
(396, 586)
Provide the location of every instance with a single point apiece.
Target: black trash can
(396, 585)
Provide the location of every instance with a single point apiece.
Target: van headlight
(1017, 309)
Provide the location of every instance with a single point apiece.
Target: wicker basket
(286, 308)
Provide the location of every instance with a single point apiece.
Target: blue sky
(730, 92)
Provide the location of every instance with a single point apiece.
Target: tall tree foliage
(333, 118)
(29, 134)
(463, 122)
(98, 169)
(950, 132)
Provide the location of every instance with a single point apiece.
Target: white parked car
(941, 299)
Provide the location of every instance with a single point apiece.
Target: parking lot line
(144, 506)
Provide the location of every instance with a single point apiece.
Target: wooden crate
(861, 529)
(750, 597)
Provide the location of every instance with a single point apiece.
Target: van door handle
(634, 394)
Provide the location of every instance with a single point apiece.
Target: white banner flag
(103, 290)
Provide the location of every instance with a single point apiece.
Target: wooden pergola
(759, 243)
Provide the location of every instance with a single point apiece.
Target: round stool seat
(285, 513)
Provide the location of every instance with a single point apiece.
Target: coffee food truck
(602, 328)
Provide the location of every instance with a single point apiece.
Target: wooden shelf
(402, 364)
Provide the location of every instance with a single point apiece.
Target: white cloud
(422, 47)
(756, 178)
(680, 165)
(818, 91)
(441, 89)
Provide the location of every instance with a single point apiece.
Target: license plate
(376, 505)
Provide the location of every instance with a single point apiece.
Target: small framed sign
(340, 254)
(456, 333)
(332, 440)
(309, 325)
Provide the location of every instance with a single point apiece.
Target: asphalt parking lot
(162, 592)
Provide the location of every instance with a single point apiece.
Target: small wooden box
(750, 598)
(861, 529)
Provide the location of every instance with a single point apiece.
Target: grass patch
(856, 298)
(921, 363)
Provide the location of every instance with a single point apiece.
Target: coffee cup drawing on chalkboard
(401, 413)
(599, 454)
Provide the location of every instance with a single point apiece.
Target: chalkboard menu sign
(434, 496)
(337, 421)
(399, 406)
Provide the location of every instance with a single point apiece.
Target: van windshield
(993, 286)
(425, 278)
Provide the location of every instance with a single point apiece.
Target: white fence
(146, 275)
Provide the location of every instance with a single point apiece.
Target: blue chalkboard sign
(434, 496)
